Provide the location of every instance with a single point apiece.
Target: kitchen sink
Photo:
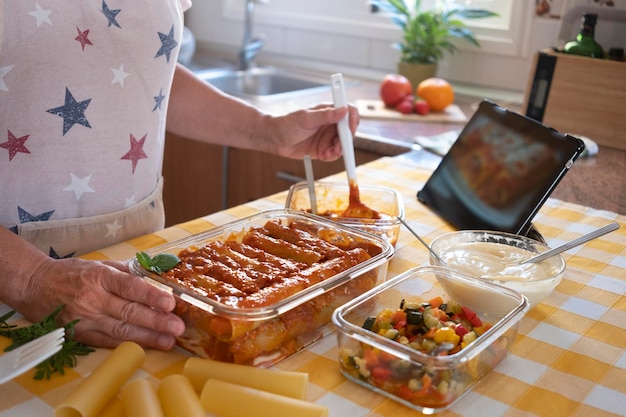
(262, 83)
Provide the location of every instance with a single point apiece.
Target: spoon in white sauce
(571, 244)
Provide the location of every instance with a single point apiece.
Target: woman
(87, 90)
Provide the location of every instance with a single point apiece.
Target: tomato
(381, 373)
(404, 106)
(472, 317)
(394, 88)
(404, 392)
(460, 330)
(421, 107)
(371, 359)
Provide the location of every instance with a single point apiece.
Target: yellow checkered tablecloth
(569, 358)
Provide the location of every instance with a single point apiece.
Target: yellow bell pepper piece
(446, 335)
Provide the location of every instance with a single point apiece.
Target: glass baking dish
(263, 335)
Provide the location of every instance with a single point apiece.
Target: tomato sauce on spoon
(356, 208)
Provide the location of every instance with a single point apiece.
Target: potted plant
(428, 33)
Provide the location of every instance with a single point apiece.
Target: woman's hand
(112, 305)
(309, 132)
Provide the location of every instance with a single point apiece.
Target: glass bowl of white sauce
(496, 257)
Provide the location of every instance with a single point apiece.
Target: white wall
(359, 45)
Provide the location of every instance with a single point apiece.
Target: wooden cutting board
(376, 109)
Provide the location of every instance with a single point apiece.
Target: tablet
(499, 171)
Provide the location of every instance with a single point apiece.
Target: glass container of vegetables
(425, 337)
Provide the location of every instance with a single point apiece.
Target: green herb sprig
(158, 263)
(57, 363)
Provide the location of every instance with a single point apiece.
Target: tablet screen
(499, 172)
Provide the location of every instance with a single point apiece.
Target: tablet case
(499, 172)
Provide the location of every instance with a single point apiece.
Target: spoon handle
(310, 181)
(422, 241)
(573, 243)
(343, 127)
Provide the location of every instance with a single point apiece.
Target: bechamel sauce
(492, 261)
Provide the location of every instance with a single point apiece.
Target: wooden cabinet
(253, 175)
(193, 175)
(200, 179)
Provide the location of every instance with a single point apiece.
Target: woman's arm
(112, 304)
(201, 112)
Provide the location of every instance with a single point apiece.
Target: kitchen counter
(569, 358)
(597, 181)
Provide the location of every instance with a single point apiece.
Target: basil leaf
(144, 260)
(158, 263)
(165, 261)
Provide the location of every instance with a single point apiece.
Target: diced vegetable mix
(435, 328)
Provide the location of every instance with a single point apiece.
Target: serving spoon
(571, 244)
(543, 255)
(356, 209)
(432, 252)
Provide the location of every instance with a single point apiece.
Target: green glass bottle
(585, 43)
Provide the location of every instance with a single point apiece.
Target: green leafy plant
(429, 33)
(158, 263)
(57, 363)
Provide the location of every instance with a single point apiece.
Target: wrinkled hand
(112, 305)
(311, 132)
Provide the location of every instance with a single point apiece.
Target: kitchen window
(502, 35)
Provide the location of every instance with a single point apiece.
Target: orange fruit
(437, 92)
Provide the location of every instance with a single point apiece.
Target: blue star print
(110, 14)
(26, 217)
(54, 255)
(72, 112)
(158, 100)
(167, 44)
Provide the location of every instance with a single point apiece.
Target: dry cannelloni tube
(140, 399)
(289, 384)
(230, 400)
(178, 398)
(103, 383)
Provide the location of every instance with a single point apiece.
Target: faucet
(251, 46)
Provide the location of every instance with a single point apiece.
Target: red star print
(83, 38)
(136, 151)
(15, 145)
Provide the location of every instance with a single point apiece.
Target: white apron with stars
(84, 87)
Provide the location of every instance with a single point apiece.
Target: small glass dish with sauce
(495, 256)
(333, 198)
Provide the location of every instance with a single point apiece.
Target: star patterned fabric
(72, 112)
(136, 151)
(83, 38)
(78, 78)
(15, 145)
